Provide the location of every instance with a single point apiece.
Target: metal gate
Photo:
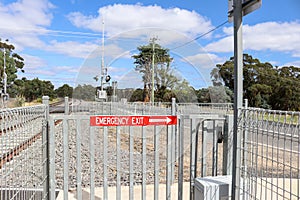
(110, 162)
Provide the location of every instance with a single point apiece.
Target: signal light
(107, 78)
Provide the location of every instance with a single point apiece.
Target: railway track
(9, 155)
(18, 132)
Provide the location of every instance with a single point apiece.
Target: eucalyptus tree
(10, 64)
(154, 62)
(264, 85)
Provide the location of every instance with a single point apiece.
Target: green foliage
(163, 75)
(85, 92)
(203, 95)
(137, 95)
(64, 91)
(220, 94)
(34, 89)
(185, 93)
(20, 101)
(13, 63)
(265, 86)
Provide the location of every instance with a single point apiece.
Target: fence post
(173, 142)
(207, 127)
(45, 143)
(245, 146)
(180, 157)
(228, 145)
(66, 105)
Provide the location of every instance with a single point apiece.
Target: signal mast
(101, 94)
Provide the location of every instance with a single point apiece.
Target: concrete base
(125, 192)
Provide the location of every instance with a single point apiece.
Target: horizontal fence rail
(270, 154)
(23, 153)
(142, 108)
(109, 162)
(119, 108)
(202, 108)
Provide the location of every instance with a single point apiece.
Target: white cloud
(294, 63)
(274, 36)
(204, 61)
(72, 48)
(223, 45)
(119, 18)
(68, 69)
(23, 20)
(33, 62)
(37, 66)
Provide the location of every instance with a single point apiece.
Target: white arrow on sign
(167, 120)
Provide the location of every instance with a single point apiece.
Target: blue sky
(61, 41)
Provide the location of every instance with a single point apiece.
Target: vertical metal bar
(284, 155)
(144, 160)
(131, 163)
(256, 153)
(118, 143)
(196, 151)
(45, 160)
(156, 162)
(105, 163)
(169, 162)
(46, 149)
(180, 157)
(272, 153)
(215, 150)
(78, 156)
(298, 157)
(66, 105)
(203, 151)
(245, 148)
(192, 156)
(173, 143)
(2, 171)
(52, 158)
(92, 163)
(66, 158)
(238, 96)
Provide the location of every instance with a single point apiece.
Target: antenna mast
(104, 78)
(102, 58)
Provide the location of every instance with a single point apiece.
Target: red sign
(132, 120)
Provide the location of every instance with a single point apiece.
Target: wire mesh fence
(146, 108)
(270, 154)
(23, 153)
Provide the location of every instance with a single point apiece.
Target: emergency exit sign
(132, 120)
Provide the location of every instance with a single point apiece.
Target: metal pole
(153, 65)
(238, 96)
(173, 142)
(152, 89)
(46, 155)
(102, 58)
(4, 72)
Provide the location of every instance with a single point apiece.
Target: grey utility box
(213, 188)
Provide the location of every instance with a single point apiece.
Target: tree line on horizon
(265, 86)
